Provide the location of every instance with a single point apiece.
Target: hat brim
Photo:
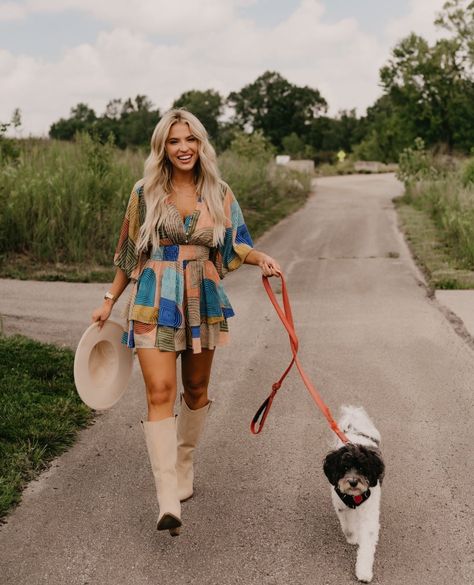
(102, 365)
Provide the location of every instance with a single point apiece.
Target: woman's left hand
(269, 266)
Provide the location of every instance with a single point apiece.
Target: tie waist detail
(180, 253)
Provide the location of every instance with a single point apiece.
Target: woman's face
(181, 147)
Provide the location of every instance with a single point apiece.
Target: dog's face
(354, 468)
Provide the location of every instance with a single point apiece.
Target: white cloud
(420, 20)
(150, 16)
(221, 50)
(11, 11)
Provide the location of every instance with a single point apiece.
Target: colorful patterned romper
(177, 299)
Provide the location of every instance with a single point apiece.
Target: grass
(41, 412)
(436, 257)
(267, 193)
(26, 267)
(350, 167)
(63, 204)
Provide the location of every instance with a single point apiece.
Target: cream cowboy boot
(161, 443)
(189, 428)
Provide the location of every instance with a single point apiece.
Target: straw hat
(102, 365)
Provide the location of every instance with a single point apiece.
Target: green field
(63, 203)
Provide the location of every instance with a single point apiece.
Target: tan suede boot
(161, 443)
(189, 428)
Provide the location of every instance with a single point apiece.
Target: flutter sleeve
(237, 240)
(126, 256)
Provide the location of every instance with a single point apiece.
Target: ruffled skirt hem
(146, 335)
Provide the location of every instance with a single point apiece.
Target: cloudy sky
(56, 53)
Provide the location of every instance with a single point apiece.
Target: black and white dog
(355, 471)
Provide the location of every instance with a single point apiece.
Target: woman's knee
(160, 392)
(195, 388)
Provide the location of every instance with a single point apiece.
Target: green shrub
(467, 173)
(416, 163)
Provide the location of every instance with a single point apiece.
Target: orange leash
(286, 318)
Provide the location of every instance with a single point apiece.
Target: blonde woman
(183, 231)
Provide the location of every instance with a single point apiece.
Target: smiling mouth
(185, 158)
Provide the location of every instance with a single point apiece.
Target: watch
(109, 295)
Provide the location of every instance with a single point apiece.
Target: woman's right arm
(119, 284)
(126, 257)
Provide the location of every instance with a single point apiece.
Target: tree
(276, 107)
(205, 105)
(458, 18)
(431, 91)
(131, 122)
(81, 119)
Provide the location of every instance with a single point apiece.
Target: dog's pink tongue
(357, 499)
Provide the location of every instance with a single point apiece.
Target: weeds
(63, 203)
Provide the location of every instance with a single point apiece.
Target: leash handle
(286, 317)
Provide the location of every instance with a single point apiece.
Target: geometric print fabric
(177, 299)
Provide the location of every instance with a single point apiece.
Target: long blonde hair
(158, 175)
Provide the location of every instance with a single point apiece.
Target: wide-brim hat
(102, 365)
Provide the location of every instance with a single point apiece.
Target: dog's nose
(353, 482)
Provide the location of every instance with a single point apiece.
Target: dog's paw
(364, 574)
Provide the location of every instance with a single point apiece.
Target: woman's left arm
(268, 265)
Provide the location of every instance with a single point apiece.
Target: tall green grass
(450, 203)
(266, 191)
(63, 203)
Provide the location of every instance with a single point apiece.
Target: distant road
(262, 513)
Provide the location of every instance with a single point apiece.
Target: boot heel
(168, 522)
(175, 531)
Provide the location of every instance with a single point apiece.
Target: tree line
(427, 92)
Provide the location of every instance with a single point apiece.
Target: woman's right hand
(102, 313)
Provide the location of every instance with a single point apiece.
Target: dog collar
(352, 501)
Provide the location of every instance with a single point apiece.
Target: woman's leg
(196, 371)
(159, 373)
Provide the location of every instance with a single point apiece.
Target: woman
(183, 231)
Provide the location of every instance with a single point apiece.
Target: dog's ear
(375, 468)
(331, 466)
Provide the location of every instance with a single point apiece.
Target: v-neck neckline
(183, 219)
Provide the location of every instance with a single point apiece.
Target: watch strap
(109, 295)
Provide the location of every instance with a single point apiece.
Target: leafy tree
(82, 117)
(429, 87)
(383, 134)
(276, 107)
(206, 105)
(458, 18)
(137, 122)
(327, 135)
(9, 151)
(253, 147)
(131, 122)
